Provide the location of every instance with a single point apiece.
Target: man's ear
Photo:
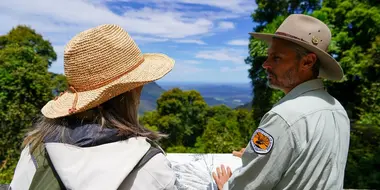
(309, 60)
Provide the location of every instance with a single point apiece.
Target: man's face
(282, 66)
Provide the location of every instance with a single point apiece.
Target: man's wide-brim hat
(311, 34)
(101, 63)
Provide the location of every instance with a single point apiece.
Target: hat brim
(154, 67)
(330, 69)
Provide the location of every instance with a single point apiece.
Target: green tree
(25, 86)
(181, 115)
(58, 83)
(269, 10)
(26, 37)
(356, 45)
(194, 127)
(226, 130)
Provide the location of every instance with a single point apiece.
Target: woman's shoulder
(154, 174)
(24, 171)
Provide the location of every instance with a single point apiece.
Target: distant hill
(231, 95)
(247, 106)
(149, 95)
(236, 96)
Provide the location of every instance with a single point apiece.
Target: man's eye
(276, 57)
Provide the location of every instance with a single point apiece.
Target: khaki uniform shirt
(301, 143)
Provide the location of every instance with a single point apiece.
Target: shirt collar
(302, 88)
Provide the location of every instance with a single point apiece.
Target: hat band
(289, 35)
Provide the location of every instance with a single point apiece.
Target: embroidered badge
(261, 142)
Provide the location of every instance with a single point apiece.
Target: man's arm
(267, 156)
(238, 153)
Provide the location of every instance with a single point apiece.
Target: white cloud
(180, 69)
(148, 39)
(186, 68)
(226, 25)
(200, 42)
(169, 24)
(230, 55)
(190, 69)
(212, 15)
(240, 42)
(234, 69)
(171, 20)
(70, 17)
(180, 21)
(232, 5)
(192, 62)
(238, 6)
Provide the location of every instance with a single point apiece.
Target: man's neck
(287, 90)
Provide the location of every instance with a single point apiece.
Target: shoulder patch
(261, 142)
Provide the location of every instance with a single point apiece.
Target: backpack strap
(153, 151)
(61, 185)
(46, 177)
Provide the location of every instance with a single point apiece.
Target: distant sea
(169, 84)
(230, 94)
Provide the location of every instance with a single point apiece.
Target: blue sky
(207, 38)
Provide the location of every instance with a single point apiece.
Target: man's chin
(273, 86)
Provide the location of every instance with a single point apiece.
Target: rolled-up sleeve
(267, 156)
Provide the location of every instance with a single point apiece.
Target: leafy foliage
(24, 36)
(268, 10)
(192, 126)
(59, 83)
(356, 34)
(25, 86)
(226, 130)
(182, 115)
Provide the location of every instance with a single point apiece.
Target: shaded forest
(193, 126)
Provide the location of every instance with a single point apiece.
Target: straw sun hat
(101, 63)
(311, 34)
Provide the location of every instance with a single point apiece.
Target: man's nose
(266, 65)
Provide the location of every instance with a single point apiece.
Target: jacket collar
(302, 88)
(84, 134)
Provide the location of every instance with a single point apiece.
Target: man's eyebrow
(275, 53)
